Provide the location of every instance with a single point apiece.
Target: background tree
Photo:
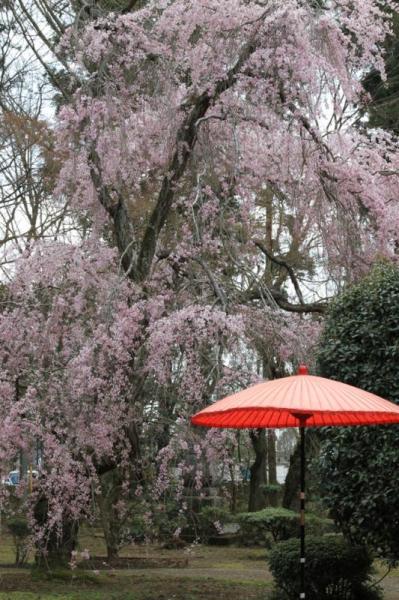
(29, 211)
(28, 169)
(359, 465)
(383, 105)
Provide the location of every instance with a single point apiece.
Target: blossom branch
(185, 141)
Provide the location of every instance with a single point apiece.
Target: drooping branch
(138, 262)
(305, 123)
(218, 290)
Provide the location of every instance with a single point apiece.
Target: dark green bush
(316, 525)
(276, 524)
(335, 570)
(20, 533)
(359, 466)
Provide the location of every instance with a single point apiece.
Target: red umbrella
(299, 401)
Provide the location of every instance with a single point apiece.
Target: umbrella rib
(362, 398)
(329, 398)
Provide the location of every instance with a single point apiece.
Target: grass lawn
(128, 587)
(198, 574)
(203, 572)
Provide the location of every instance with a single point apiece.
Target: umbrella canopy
(286, 402)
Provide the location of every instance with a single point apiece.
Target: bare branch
(282, 263)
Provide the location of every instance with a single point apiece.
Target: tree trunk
(272, 466)
(59, 545)
(271, 456)
(233, 497)
(111, 521)
(292, 481)
(258, 476)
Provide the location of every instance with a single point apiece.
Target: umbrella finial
(303, 370)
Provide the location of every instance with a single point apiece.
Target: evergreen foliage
(359, 466)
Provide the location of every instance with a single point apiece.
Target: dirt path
(391, 588)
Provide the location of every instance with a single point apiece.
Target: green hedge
(334, 570)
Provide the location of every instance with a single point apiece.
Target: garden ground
(195, 573)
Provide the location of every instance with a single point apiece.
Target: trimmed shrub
(273, 493)
(335, 570)
(276, 524)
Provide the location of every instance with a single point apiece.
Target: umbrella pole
(302, 508)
